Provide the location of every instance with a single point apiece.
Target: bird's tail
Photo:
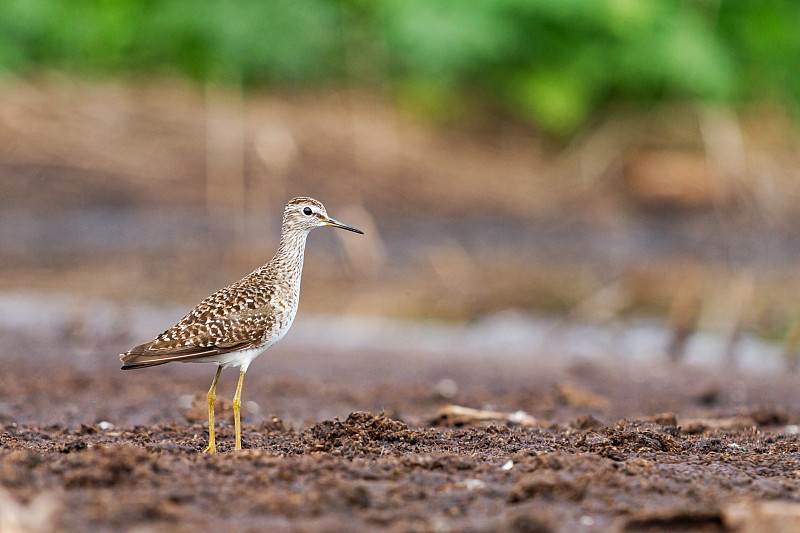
(134, 362)
(136, 358)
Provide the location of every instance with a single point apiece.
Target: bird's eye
(307, 210)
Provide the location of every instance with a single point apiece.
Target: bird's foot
(210, 449)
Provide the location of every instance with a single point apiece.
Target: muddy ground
(356, 441)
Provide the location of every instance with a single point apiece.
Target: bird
(238, 323)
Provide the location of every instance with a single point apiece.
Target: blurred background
(593, 177)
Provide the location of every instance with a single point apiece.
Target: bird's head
(305, 214)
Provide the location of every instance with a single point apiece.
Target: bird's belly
(240, 358)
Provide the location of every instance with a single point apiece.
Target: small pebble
(252, 407)
(508, 465)
(105, 424)
(473, 484)
(446, 388)
(186, 401)
(520, 417)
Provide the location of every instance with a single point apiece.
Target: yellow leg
(212, 397)
(237, 407)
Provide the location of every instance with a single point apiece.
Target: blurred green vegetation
(551, 62)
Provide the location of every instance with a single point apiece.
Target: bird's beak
(336, 224)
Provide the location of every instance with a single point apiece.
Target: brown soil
(356, 442)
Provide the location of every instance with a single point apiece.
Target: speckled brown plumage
(251, 313)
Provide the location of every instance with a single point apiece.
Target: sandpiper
(236, 324)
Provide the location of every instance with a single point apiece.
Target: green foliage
(553, 62)
(249, 41)
(556, 61)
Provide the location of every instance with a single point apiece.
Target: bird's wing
(207, 331)
(144, 355)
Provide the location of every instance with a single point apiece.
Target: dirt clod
(361, 432)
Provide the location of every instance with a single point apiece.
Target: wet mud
(357, 442)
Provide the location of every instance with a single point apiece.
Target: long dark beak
(337, 224)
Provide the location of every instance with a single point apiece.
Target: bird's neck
(289, 257)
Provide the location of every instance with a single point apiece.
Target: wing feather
(204, 333)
